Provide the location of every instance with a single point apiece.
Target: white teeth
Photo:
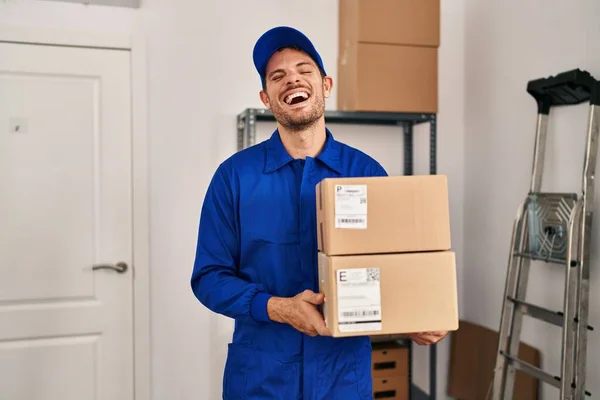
(292, 96)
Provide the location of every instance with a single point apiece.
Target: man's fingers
(310, 330)
(441, 334)
(313, 320)
(425, 338)
(418, 339)
(312, 297)
(436, 334)
(322, 329)
(318, 323)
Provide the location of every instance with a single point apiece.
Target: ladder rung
(540, 258)
(536, 372)
(533, 371)
(552, 317)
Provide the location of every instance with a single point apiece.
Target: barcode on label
(351, 220)
(360, 313)
(372, 274)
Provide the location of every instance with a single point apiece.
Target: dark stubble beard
(300, 121)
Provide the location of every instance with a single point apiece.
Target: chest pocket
(271, 220)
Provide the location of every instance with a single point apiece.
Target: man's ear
(327, 86)
(265, 99)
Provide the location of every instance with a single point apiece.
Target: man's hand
(300, 312)
(424, 338)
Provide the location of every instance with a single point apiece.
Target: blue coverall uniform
(257, 238)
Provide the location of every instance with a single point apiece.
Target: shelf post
(408, 147)
(433, 145)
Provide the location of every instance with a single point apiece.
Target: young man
(256, 259)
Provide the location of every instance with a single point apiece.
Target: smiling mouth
(296, 98)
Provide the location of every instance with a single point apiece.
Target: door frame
(134, 42)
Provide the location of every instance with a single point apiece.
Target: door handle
(120, 267)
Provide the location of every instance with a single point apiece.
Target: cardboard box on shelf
(391, 214)
(406, 22)
(387, 294)
(388, 78)
(389, 359)
(388, 55)
(390, 370)
(391, 388)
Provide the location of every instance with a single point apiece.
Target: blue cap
(276, 38)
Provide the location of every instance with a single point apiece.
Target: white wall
(507, 44)
(56, 14)
(200, 76)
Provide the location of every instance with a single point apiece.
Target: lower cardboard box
(391, 388)
(389, 360)
(390, 371)
(387, 294)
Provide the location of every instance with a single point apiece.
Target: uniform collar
(277, 156)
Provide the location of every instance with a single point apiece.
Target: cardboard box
(383, 294)
(389, 360)
(387, 55)
(392, 388)
(408, 22)
(390, 371)
(473, 353)
(388, 78)
(392, 214)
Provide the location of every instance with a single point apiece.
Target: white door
(66, 329)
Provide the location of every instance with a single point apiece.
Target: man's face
(295, 90)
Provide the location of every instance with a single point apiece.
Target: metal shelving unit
(246, 128)
(246, 137)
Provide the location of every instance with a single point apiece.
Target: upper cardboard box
(406, 22)
(391, 214)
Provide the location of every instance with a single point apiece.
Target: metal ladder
(552, 227)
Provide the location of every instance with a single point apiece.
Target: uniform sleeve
(215, 281)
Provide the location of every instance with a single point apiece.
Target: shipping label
(351, 206)
(359, 299)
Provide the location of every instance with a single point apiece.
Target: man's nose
(293, 78)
